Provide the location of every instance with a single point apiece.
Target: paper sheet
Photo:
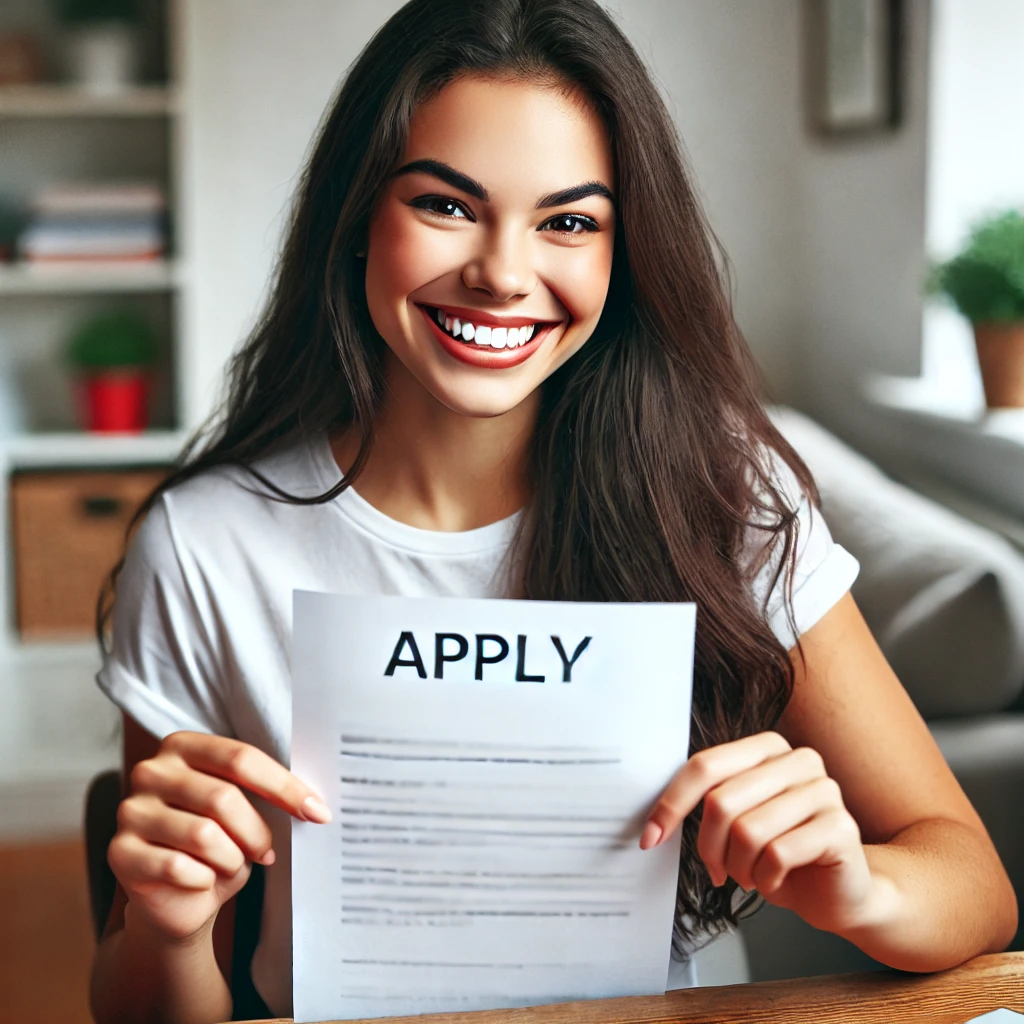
(489, 769)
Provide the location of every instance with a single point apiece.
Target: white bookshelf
(56, 729)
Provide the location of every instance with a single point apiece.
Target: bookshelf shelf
(90, 278)
(71, 101)
(71, 450)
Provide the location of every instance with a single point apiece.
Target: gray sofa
(945, 599)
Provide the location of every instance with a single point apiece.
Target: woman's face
(498, 225)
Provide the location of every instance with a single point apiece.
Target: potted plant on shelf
(986, 284)
(113, 356)
(101, 43)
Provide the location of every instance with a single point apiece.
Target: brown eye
(568, 223)
(442, 206)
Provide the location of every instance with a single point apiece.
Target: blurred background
(845, 151)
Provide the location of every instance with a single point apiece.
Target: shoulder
(777, 497)
(293, 469)
(797, 571)
(206, 553)
(224, 524)
(777, 479)
(218, 502)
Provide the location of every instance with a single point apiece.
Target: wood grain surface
(883, 997)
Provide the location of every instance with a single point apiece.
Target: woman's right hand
(187, 835)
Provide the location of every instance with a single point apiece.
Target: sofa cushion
(943, 596)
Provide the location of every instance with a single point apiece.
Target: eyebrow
(466, 184)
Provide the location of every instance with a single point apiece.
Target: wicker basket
(69, 530)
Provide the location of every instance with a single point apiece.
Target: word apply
(489, 649)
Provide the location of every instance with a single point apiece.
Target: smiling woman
(499, 315)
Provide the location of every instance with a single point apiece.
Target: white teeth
(482, 334)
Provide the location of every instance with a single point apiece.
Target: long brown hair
(648, 460)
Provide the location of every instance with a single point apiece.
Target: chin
(478, 402)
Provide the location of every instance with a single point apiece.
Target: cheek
(581, 283)
(395, 261)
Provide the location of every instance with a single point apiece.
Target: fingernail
(651, 836)
(314, 809)
(268, 858)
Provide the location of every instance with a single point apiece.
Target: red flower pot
(115, 400)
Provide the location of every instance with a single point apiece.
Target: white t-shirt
(202, 620)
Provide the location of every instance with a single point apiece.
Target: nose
(503, 267)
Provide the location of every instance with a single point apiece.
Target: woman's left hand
(773, 821)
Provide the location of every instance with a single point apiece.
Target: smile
(485, 334)
(497, 343)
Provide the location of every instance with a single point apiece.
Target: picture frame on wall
(853, 65)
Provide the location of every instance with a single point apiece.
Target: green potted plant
(113, 355)
(101, 42)
(985, 282)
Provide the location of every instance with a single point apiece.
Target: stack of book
(114, 221)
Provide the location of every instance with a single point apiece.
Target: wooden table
(880, 997)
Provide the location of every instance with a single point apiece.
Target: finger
(151, 819)
(137, 863)
(249, 767)
(752, 832)
(823, 840)
(724, 804)
(704, 771)
(181, 787)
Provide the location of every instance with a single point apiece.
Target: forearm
(141, 978)
(941, 896)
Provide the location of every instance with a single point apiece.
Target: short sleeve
(162, 667)
(823, 570)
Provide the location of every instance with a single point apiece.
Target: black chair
(102, 798)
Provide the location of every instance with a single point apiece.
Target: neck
(437, 469)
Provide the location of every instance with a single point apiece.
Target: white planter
(103, 57)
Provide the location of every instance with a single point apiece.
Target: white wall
(976, 147)
(827, 235)
(860, 263)
(259, 74)
(730, 72)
